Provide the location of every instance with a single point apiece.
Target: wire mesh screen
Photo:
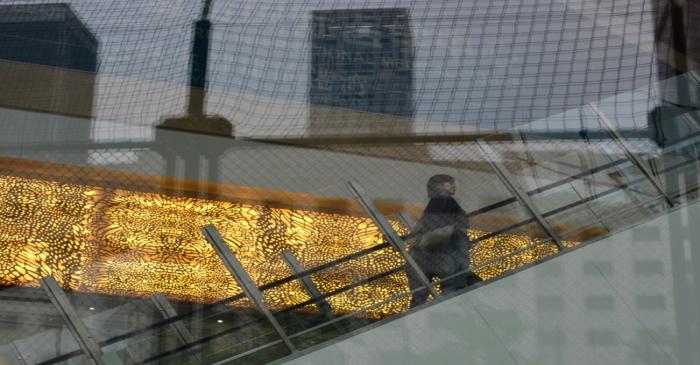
(390, 94)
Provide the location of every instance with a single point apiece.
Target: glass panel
(508, 251)
(311, 328)
(492, 220)
(108, 316)
(666, 132)
(215, 332)
(572, 182)
(348, 322)
(33, 330)
(360, 276)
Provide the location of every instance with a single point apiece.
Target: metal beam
(70, 317)
(167, 310)
(236, 270)
(515, 189)
(390, 234)
(308, 285)
(18, 354)
(406, 220)
(605, 122)
(325, 142)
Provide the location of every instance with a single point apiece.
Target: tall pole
(198, 63)
(206, 6)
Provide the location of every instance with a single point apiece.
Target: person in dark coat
(443, 257)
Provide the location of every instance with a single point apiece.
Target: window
(600, 302)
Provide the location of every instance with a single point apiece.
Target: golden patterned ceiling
(123, 242)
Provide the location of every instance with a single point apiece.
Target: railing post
(18, 354)
(311, 288)
(70, 317)
(406, 220)
(390, 234)
(236, 270)
(308, 285)
(167, 310)
(515, 189)
(605, 122)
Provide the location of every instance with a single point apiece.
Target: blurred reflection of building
(48, 60)
(677, 52)
(48, 35)
(361, 73)
(677, 36)
(677, 117)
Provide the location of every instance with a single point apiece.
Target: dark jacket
(440, 212)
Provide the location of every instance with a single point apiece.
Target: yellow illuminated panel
(137, 244)
(46, 229)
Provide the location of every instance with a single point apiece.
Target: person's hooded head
(441, 186)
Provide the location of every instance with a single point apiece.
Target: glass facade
(186, 182)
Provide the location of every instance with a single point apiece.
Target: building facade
(362, 61)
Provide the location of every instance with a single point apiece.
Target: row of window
(604, 302)
(593, 268)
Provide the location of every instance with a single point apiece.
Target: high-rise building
(48, 63)
(361, 71)
(677, 52)
(48, 60)
(677, 36)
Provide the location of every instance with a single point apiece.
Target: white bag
(436, 240)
